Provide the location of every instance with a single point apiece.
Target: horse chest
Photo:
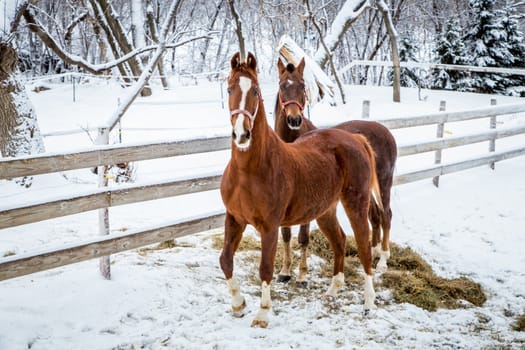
(250, 198)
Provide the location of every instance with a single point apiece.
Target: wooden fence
(19, 265)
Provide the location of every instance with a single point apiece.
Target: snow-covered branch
(348, 14)
(96, 68)
(148, 71)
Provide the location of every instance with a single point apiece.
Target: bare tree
(238, 29)
(328, 52)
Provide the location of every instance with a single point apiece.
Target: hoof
(368, 313)
(259, 323)
(238, 311)
(283, 278)
(301, 284)
(381, 268)
(328, 298)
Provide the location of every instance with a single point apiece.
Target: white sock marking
(338, 281)
(370, 294)
(233, 288)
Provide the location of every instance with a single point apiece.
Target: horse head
(292, 93)
(244, 99)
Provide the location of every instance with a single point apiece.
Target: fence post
(365, 112)
(103, 213)
(492, 142)
(439, 134)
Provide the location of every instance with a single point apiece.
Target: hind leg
(356, 208)
(384, 252)
(232, 237)
(386, 221)
(336, 237)
(285, 273)
(304, 239)
(374, 216)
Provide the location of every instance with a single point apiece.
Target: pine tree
(450, 49)
(516, 42)
(407, 52)
(488, 46)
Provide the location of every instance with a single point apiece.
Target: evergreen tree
(516, 42)
(407, 52)
(487, 45)
(450, 49)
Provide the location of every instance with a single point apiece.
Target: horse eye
(229, 90)
(255, 91)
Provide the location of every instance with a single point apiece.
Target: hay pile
(520, 324)
(409, 276)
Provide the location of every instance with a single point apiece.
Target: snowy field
(473, 226)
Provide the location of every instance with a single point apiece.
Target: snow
(177, 298)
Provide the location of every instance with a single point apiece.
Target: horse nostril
(234, 135)
(294, 121)
(248, 135)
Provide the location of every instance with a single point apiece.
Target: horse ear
(236, 60)
(280, 66)
(300, 67)
(251, 61)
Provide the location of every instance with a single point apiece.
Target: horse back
(380, 139)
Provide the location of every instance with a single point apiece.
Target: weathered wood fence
(19, 265)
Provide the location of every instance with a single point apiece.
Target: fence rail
(14, 266)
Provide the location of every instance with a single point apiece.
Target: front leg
(285, 275)
(232, 237)
(268, 249)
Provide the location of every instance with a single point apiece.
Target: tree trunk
(382, 7)
(19, 131)
(238, 30)
(152, 26)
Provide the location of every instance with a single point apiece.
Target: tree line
(139, 38)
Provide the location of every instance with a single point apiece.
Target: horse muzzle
(294, 122)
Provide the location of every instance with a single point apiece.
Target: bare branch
(238, 29)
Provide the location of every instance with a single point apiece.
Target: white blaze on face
(245, 84)
(290, 82)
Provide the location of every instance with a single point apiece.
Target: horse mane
(290, 67)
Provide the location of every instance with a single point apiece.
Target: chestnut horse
(290, 123)
(268, 183)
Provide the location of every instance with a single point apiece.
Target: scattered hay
(431, 292)
(247, 243)
(519, 325)
(410, 277)
(163, 245)
(9, 253)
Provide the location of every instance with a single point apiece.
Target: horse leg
(386, 221)
(232, 237)
(285, 274)
(269, 240)
(304, 239)
(356, 208)
(374, 216)
(329, 225)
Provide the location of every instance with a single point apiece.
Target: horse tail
(375, 191)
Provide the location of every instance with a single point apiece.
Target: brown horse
(268, 183)
(290, 123)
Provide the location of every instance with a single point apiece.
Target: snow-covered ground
(473, 225)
